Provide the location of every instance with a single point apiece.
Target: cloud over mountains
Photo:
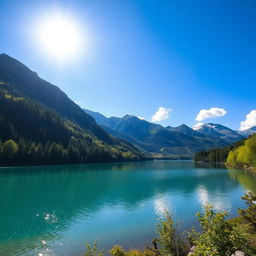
(249, 122)
(161, 114)
(210, 113)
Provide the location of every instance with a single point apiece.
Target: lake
(56, 210)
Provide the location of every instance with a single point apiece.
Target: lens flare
(60, 37)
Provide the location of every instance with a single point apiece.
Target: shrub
(214, 237)
(170, 241)
(249, 214)
(117, 250)
(93, 250)
(217, 236)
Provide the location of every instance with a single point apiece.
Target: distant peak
(211, 125)
(127, 116)
(198, 126)
(184, 126)
(10, 64)
(4, 55)
(6, 58)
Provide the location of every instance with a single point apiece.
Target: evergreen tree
(249, 214)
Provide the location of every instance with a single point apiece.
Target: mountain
(219, 131)
(186, 130)
(98, 117)
(174, 142)
(29, 84)
(40, 124)
(248, 132)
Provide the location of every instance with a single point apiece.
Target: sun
(60, 37)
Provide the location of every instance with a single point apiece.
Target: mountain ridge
(218, 130)
(158, 140)
(248, 132)
(41, 124)
(27, 82)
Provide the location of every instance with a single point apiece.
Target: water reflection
(67, 206)
(245, 178)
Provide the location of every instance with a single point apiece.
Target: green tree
(170, 241)
(117, 250)
(249, 214)
(231, 160)
(244, 155)
(93, 250)
(10, 148)
(214, 238)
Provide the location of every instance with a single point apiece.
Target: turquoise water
(56, 210)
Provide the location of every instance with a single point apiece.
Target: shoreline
(206, 163)
(91, 163)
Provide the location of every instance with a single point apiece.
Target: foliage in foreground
(249, 214)
(219, 237)
(216, 237)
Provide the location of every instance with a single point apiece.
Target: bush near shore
(217, 236)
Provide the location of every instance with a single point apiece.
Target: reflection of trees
(244, 177)
(209, 165)
(66, 192)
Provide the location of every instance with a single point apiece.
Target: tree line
(217, 155)
(26, 152)
(241, 154)
(34, 134)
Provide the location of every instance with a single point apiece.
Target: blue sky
(143, 54)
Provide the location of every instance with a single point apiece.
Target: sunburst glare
(60, 37)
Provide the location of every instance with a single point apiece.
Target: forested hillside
(217, 155)
(27, 83)
(245, 155)
(33, 132)
(242, 154)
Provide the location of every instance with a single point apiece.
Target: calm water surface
(56, 210)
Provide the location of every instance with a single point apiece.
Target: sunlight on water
(56, 210)
(162, 205)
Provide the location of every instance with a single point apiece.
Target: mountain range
(46, 126)
(40, 124)
(219, 131)
(173, 142)
(248, 132)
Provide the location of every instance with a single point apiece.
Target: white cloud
(141, 117)
(249, 122)
(210, 113)
(161, 114)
